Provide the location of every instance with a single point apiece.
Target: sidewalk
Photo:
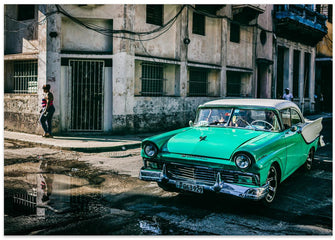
(84, 143)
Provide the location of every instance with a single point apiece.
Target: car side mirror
(295, 129)
(191, 123)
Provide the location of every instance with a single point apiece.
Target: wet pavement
(53, 192)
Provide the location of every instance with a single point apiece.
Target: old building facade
(324, 64)
(134, 68)
(298, 28)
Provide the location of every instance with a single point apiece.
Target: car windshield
(257, 119)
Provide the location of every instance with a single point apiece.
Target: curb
(121, 147)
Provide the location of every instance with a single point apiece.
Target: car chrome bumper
(254, 193)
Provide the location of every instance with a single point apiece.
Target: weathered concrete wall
(22, 33)
(198, 49)
(265, 23)
(78, 38)
(158, 114)
(241, 54)
(159, 46)
(21, 112)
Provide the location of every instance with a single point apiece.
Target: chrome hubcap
(272, 182)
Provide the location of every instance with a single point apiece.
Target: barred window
(152, 79)
(155, 14)
(198, 24)
(233, 84)
(198, 82)
(234, 32)
(25, 76)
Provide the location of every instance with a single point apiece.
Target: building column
(184, 33)
(122, 86)
(53, 62)
(288, 69)
(312, 81)
(223, 74)
(290, 77)
(301, 79)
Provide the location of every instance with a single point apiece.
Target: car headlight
(150, 149)
(242, 161)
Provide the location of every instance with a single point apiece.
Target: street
(58, 192)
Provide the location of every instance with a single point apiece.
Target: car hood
(210, 141)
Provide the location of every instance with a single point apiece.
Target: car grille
(202, 175)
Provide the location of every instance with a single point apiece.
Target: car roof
(251, 102)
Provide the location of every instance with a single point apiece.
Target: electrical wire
(110, 32)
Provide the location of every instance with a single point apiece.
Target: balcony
(300, 23)
(244, 13)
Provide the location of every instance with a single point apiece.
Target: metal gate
(86, 94)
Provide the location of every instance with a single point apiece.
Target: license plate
(190, 187)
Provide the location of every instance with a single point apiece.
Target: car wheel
(272, 181)
(309, 160)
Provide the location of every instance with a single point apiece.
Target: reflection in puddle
(47, 193)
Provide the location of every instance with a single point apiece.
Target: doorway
(86, 94)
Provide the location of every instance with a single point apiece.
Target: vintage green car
(241, 147)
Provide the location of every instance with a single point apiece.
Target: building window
(198, 82)
(234, 32)
(155, 14)
(233, 84)
(24, 78)
(25, 12)
(152, 79)
(198, 24)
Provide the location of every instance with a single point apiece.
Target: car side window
(295, 117)
(286, 118)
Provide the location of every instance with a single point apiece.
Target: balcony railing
(303, 14)
(300, 22)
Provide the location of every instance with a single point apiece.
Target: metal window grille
(25, 76)
(86, 95)
(198, 24)
(198, 82)
(152, 79)
(154, 14)
(233, 84)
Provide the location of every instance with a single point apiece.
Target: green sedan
(240, 147)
